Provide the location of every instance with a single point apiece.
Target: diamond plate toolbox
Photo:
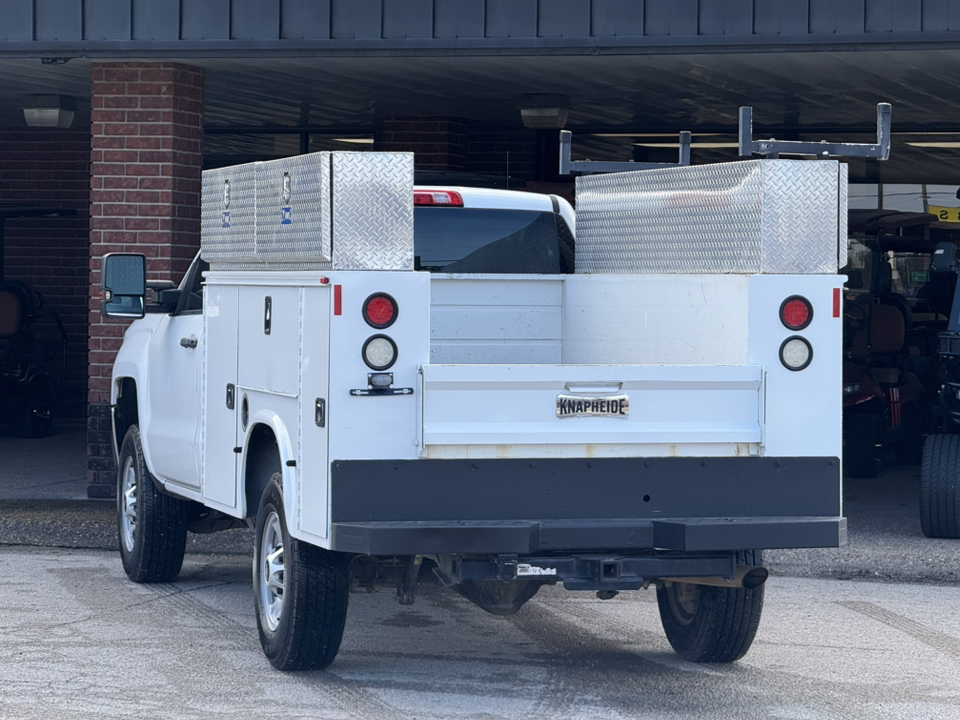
(323, 211)
(373, 211)
(293, 210)
(752, 216)
(227, 213)
(842, 217)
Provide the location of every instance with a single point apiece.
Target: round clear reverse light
(379, 352)
(795, 353)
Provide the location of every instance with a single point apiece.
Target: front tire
(300, 591)
(708, 624)
(939, 491)
(153, 526)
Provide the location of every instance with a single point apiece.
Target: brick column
(146, 158)
(439, 143)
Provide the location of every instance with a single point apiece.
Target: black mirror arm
(165, 300)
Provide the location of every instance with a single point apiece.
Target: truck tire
(300, 591)
(940, 487)
(709, 624)
(153, 526)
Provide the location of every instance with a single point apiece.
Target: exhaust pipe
(747, 576)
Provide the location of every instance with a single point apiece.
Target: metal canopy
(819, 93)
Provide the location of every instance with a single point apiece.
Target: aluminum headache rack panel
(373, 211)
(752, 216)
(323, 211)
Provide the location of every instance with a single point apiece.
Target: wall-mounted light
(49, 110)
(544, 112)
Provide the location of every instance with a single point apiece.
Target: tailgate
(526, 405)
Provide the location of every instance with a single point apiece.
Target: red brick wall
(50, 166)
(147, 154)
(438, 143)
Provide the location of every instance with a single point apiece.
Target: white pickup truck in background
(650, 408)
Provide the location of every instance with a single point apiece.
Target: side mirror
(123, 285)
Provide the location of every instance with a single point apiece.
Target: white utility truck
(651, 415)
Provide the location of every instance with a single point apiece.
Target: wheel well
(126, 412)
(263, 460)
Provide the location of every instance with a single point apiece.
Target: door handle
(188, 342)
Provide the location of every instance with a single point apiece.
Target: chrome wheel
(128, 505)
(271, 571)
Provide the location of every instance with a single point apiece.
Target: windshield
(475, 240)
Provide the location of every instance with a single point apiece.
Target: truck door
(173, 418)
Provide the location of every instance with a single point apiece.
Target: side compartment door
(221, 401)
(314, 462)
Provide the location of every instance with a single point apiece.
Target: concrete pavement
(78, 640)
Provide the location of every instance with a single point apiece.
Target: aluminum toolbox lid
(752, 216)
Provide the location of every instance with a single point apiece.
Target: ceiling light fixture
(544, 112)
(49, 110)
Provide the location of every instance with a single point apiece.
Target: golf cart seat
(10, 314)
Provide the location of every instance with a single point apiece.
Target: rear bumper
(523, 537)
(629, 505)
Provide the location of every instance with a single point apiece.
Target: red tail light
(443, 198)
(380, 310)
(796, 312)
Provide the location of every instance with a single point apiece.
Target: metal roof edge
(660, 44)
